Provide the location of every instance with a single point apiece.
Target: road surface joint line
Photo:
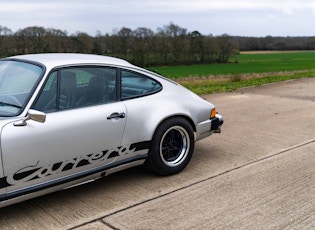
(101, 219)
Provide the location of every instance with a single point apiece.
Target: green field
(242, 71)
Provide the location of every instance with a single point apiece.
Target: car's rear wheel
(172, 147)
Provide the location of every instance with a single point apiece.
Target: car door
(82, 132)
(2, 181)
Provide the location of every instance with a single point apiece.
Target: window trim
(118, 84)
(61, 68)
(141, 74)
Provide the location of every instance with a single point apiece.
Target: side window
(95, 85)
(78, 87)
(47, 99)
(135, 85)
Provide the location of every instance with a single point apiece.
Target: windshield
(17, 80)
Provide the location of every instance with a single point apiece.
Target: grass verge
(228, 83)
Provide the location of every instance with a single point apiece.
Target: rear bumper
(208, 127)
(216, 123)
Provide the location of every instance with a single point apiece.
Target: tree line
(274, 43)
(168, 45)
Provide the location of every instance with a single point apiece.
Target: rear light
(213, 113)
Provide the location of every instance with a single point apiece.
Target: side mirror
(32, 115)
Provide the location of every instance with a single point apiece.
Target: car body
(70, 118)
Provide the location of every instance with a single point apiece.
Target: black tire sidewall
(154, 161)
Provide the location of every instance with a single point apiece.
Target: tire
(172, 147)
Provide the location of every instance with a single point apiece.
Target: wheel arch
(186, 117)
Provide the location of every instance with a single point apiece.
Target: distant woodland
(168, 45)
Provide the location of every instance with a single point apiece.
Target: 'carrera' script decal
(38, 170)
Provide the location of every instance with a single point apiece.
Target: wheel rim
(174, 146)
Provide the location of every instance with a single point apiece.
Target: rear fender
(143, 128)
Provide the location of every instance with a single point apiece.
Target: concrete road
(259, 173)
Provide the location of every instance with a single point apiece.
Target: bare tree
(124, 40)
(5, 41)
(57, 40)
(178, 46)
(141, 45)
(82, 42)
(31, 40)
(225, 48)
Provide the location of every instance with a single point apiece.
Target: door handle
(116, 116)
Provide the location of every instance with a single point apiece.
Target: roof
(59, 59)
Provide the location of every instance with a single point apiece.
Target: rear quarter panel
(146, 113)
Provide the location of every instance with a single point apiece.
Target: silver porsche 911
(70, 118)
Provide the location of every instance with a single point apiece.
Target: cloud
(205, 5)
(152, 6)
(271, 17)
(207, 16)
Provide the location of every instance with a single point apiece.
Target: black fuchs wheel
(172, 147)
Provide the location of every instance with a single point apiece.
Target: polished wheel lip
(174, 146)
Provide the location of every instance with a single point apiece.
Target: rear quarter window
(136, 85)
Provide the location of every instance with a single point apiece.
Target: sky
(257, 18)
